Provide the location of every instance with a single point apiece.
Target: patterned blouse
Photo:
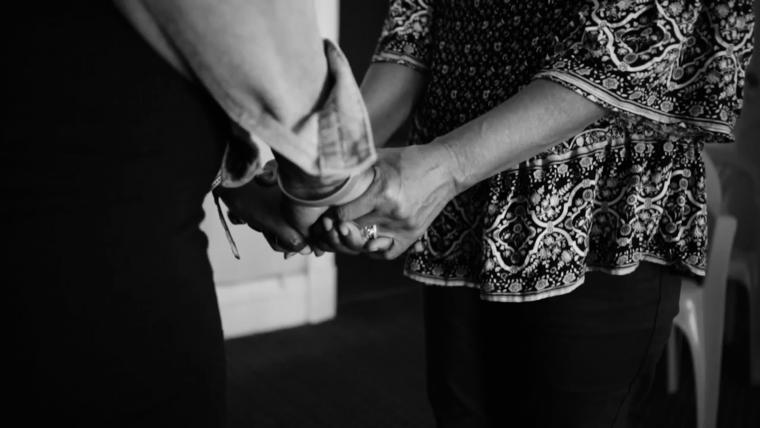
(629, 188)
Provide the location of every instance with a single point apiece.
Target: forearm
(390, 92)
(535, 119)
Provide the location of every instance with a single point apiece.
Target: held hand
(307, 197)
(301, 218)
(328, 237)
(411, 187)
(258, 204)
(347, 237)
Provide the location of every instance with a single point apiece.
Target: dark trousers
(585, 359)
(107, 285)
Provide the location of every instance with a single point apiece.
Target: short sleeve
(678, 62)
(406, 36)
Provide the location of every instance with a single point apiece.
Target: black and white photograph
(382, 213)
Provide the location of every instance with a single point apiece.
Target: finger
(289, 239)
(382, 222)
(335, 243)
(319, 244)
(381, 243)
(255, 226)
(399, 247)
(285, 239)
(274, 244)
(327, 223)
(318, 237)
(351, 236)
(234, 218)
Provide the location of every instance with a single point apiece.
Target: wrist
(348, 190)
(449, 158)
(442, 167)
(305, 186)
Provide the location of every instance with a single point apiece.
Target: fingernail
(343, 229)
(305, 251)
(288, 255)
(318, 253)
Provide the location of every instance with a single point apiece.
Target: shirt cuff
(335, 141)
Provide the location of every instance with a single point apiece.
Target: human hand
(258, 204)
(301, 188)
(301, 218)
(348, 238)
(411, 187)
(340, 237)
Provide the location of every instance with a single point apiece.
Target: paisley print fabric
(406, 34)
(629, 188)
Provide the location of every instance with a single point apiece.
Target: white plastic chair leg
(707, 352)
(705, 395)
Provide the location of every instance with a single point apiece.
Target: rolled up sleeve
(264, 64)
(335, 141)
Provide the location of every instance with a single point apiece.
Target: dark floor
(366, 367)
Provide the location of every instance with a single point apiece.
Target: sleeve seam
(601, 96)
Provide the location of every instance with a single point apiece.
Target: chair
(702, 309)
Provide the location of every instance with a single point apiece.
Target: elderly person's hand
(410, 188)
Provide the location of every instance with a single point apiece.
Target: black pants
(107, 156)
(585, 359)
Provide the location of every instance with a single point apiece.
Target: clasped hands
(410, 186)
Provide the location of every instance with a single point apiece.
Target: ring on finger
(369, 232)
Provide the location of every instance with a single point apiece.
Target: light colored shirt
(258, 59)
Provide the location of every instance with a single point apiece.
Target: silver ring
(369, 232)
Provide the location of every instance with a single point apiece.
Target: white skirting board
(280, 301)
